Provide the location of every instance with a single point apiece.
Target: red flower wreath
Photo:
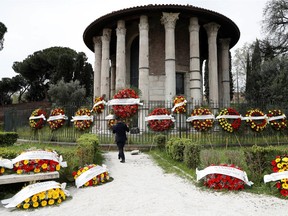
(280, 164)
(125, 111)
(99, 105)
(278, 124)
(37, 119)
(202, 124)
(56, 123)
(179, 104)
(255, 125)
(160, 124)
(85, 123)
(229, 125)
(221, 181)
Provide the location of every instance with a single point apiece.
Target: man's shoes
(122, 161)
(118, 157)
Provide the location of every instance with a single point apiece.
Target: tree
(275, 24)
(3, 30)
(63, 93)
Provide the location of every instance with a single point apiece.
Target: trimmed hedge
(8, 138)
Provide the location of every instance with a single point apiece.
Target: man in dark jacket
(120, 130)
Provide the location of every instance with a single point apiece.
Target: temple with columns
(161, 49)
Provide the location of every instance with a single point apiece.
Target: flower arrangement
(92, 175)
(99, 105)
(179, 104)
(277, 119)
(222, 181)
(57, 118)
(50, 197)
(125, 103)
(111, 123)
(82, 119)
(160, 120)
(256, 119)
(36, 195)
(280, 164)
(37, 119)
(37, 161)
(225, 122)
(201, 119)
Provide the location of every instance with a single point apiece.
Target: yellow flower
(59, 201)
(27, 200)
(279, 165)
(2, 170)
(285, 159)
(19, 171)
(26, 162)
(285, 186)
(26, 205)
(51, 201)
(277, 160)
(44, 166)
(58, 167)
(34, 198)
(36, 170)
(42, 195)
(55, 195)
(43, 203)
(86, 184)
(35, 204)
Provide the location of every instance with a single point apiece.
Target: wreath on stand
(179, 104)
(256, 119)
(125, 103)
(160, 120)
(229, 119)
(57, 118)
(37, 119)
(201, 119)
(99, 105)
(82, 119)
(277, 119)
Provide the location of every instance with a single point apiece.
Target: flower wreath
(179, 104)
(220, 180)
(57, 118)
(82, 119)
(99, 105)
(224, 117)
(254, 115)
(277, 119)
(36, 195)
(201, 119)
(160, 120)
(97, 175)
(37, 119)
(125, 103)
(111, 123)
(280, 164)
(47, 161)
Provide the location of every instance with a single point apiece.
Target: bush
(8, 138)
(192, 155)
(87, 148)
(160, 141)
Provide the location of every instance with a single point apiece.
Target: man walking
(120, 129)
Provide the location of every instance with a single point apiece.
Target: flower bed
(57, 118)
(277, 119)
(160, 120)
(256, 119)
(37, 119)
(201, 119)
(225, 121)
(91, 175)
(82, 119)
(179, 105)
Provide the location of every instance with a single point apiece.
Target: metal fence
(18, 120)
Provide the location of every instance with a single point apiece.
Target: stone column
(120, 56)
(113, 76)
(105, 62)
(144, 57)
(195, 74)
(169, 21)
(212, 30)
(97, 66)
(225, 82)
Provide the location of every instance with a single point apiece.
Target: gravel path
(140, 187)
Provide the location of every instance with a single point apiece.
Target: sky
(35, 25)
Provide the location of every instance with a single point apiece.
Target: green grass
(179, 168)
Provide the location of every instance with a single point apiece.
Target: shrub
(8, 138)
(160, 141)
(192, 154)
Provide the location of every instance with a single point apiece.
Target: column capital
(212, 28)
(194, 26)
(121, 30)
(169, 19)
(224, 42)
(106, 34)
(97, 41)
(143, 25)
